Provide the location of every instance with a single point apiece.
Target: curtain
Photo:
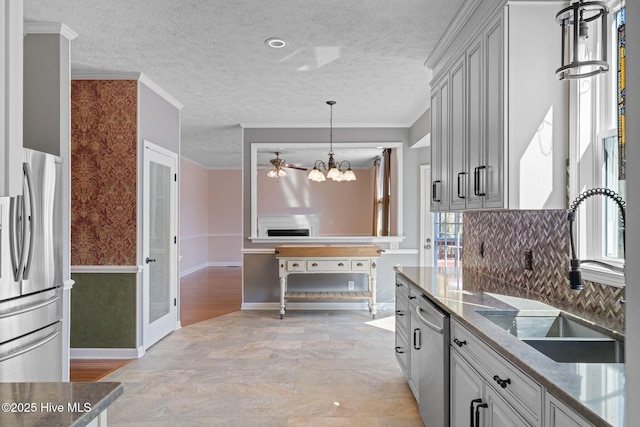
(382, 194)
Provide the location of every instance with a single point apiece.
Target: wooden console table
(328, 259)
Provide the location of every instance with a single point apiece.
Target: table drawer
(521, 388)
(360, 265)
(328, 265)
(295, 265)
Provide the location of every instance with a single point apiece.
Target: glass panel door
(159, 252)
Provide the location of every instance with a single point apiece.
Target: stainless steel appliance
(31, 274)
(431, 349)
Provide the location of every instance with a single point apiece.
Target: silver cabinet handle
(436, 328)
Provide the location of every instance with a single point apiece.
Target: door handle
(435, 193)
(460, 195)
(471, 409)
(32, 218)
(148, 260)
(482, 405)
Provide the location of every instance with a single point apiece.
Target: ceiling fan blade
(287, 165)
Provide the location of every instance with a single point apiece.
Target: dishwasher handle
(432, 326)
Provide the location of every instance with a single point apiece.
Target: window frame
(586, 160)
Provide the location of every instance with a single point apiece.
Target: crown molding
(127, 75)
(49, 28)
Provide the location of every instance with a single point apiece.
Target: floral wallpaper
(103, 172)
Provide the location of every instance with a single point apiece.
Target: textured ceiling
(210, 55)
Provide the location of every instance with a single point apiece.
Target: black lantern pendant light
(577, 22)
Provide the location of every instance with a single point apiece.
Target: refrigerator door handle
(16, 252)
(32, 219)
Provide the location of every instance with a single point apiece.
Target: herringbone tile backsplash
(495, 243)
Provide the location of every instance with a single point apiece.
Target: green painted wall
(103, 310)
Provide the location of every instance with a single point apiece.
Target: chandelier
(580, 56)
(333, 169)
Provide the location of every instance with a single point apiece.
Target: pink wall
(194, 225)
(225, 216)
(345, 208)
(210, 217)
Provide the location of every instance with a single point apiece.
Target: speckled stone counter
(55, 404)
(594, 390)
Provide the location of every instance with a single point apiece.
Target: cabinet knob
(459, 343)
(501, 382)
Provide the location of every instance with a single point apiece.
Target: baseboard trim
(210, 264)
(106, 353)
(314, 306)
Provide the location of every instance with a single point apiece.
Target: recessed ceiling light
(275, 43)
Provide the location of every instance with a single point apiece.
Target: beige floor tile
(253, 369)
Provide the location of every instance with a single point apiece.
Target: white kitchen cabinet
(415, 337)
(498, 127)
(510, 395)
(467, 391)
(557, 414)
(402, 326)
(440, 146)
(474, 402)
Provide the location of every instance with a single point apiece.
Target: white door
(159, 290)
(426, 218)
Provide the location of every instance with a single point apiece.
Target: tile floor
(249, 368)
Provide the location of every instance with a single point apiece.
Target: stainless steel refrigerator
(31, 274)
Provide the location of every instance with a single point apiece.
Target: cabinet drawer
(402, 311)
(521, 391)
(329, 265)
(295, 265)
(401, 285)
(360, 265)
(402, 349)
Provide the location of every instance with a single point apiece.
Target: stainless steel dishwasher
(430, 327)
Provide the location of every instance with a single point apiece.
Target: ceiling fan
(278, 165)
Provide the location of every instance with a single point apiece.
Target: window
(447, 227)
(598, 151)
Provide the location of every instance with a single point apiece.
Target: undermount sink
(560, 337)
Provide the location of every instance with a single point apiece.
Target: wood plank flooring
(205, 294)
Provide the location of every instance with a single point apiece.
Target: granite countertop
(594, 390)
(55, 404)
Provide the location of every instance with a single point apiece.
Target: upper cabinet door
(457, 142)
(440, 146)
(492, 176)
(475, 126)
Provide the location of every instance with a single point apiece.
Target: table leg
(372, 302)
(283, 290)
